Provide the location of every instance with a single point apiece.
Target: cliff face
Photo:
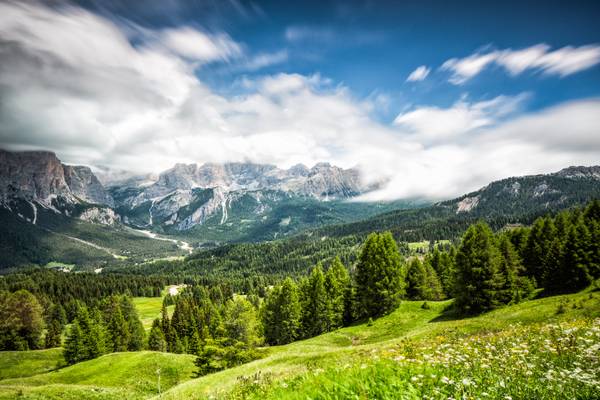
(84, 184)
(32, 175)
(40, 176)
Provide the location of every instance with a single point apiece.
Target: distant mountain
(189, 195)
(211, 204)
(40, 197)
(516, 199)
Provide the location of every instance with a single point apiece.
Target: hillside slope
(133, 375)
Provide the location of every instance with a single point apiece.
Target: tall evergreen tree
(314, 304)
(379, 276)
(337, 281)
(156, 338)
(478, 279)
(53, 334)
(241, 323)
(281, 314)
(574, 273)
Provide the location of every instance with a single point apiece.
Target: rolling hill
(298, 369)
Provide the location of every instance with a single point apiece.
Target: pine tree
(379, 276)
(336, 286)
(156, 338)
(53, 335)
(241, 323)
(281, 314)
(74, 346)
(416, 280)
(433, 285)
(591, 218)
(478, 279)
(135, 330)
(118, 331)
(536, 248)
(574, 273)
(314, 304)
(515, 287)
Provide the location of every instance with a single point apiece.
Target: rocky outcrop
(32, 175)
(100, 215)
(39, 176)
(579, 172)
(84, 184)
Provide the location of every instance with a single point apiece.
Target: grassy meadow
(543, 348)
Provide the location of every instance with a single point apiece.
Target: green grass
(424, 245)
(148, 309)
(353, 345)
(20, 364)
(357, 359)
(113, 376)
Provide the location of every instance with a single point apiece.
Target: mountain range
(210, 204)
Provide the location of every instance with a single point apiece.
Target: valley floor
(402, 355)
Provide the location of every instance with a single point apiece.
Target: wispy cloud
(264, 60)
(562, 62)
(73, 82)
(329, 35)
(418, 74)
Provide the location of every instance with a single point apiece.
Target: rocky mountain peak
(40, 176)
(580, 172)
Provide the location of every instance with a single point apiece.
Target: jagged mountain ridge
(188, 195)
(33, 179)
(180, 198)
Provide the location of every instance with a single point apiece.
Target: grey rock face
(40, 176)
(84, 184)
(32, 175)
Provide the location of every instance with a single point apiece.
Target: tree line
(483, 271)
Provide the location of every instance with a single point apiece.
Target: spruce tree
(281, 314)
(433, 285)
(314, 304)
(53, 334)
(478, 278)
(156, 338)
(74, 346)
(336, 286)
(379, 276)
(574, 273)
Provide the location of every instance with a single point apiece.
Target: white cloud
(263, 60)
(565, 61)
(440, 124)
(72, 82)
(418, 74)
(199, 46)
(466, 68)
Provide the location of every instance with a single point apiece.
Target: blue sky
(372, 47)
(435, 98)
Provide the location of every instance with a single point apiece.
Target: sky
(436, 98)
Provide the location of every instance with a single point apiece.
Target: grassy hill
(362, 359)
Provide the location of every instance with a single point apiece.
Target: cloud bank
(108, 92)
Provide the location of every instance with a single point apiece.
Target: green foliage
(241, 322)
(479, 278)
(21, 321)
(337, 283)
(314, 302)
(281, 314)
(156, 338)
(222, 354)
(379, 276)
